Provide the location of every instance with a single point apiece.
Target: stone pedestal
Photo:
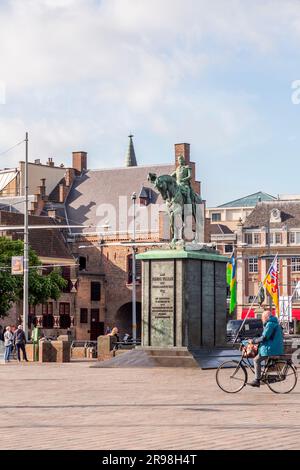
(183, 298)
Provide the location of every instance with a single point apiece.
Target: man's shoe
(255, 383)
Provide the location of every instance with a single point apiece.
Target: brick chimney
(50, 162)
(184, 150)
(79, 161)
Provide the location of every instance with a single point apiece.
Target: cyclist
(270, 344)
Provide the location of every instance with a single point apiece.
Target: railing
(84, 344)
(54, 321)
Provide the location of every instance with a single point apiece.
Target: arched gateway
(123, 319)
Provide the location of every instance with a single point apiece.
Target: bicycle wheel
(281, 377)
(231, 376)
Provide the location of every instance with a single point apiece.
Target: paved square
(73, 406)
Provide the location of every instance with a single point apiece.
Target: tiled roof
(249, 201)
(97, 188)
(47, 243)
(219, 229)
(260, 216)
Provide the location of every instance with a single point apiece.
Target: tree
(41, 288)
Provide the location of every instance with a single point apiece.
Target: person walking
(8, 343)
(270, 344)
(20, 342)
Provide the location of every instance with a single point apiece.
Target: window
(297, 294)
(83, 315)
(48, 321)
(228, 248)
(31, 316)
(248, 238)
(47, 309)
(274, 237)
(216, 217)
(64, 315)
(66, 274)
(95, 291)
(31, 309)
(295, 265)
(253, 265)
(64, 308)
(82, 263)
(138, 270)
(252, 238)
(294, 238)
(270, 261)
(256, 238)
(251, 298)
(277, 238)
(64, 321)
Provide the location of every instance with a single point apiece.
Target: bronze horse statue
(173, 194)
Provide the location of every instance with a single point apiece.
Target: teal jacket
(271, 341)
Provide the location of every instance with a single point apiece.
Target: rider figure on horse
(183, 176)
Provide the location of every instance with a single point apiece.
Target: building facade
(272, 228)
(233, 212)
(55, 317)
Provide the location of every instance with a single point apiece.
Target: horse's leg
(198, 217)
(172, 228)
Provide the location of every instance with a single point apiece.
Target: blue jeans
(7, 352)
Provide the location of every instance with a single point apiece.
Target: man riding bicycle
(270, 344)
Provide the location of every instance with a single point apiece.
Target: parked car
(252, 327)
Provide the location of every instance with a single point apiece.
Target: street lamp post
(26, 244)
(133, 198)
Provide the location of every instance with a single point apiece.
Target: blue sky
(83, 74)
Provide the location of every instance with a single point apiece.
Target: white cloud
(79, 70)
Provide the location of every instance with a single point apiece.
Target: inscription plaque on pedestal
(162, 304)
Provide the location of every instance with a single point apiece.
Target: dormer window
(275, 216)
(145, 196)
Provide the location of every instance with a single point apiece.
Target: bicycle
(279, 374)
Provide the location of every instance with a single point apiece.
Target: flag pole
(253, 302)
(290, 306)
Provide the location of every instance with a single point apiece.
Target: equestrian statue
(181, 200)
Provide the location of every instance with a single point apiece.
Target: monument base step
(204, 358)
(151, 357)
(160, 351)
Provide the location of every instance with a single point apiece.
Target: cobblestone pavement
(73, 406)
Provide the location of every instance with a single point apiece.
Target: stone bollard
(30, 352)
(54, 351)
(105, 347)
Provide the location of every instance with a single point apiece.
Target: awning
(295, 313)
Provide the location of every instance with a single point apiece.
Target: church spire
(130, 159)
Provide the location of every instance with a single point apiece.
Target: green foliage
(41, 288)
